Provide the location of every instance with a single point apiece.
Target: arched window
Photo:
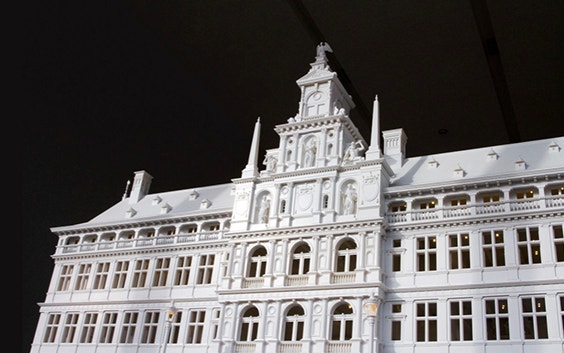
(249, 324)
(346, 256)
(294, 324)
(257, 266)
(342, 322)
(300, 259)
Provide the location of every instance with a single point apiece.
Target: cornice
(139, 223)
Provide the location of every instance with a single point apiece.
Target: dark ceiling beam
(317, 37)
(491, 50)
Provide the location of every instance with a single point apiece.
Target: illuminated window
(459, 251)
(534, 318)
(529, 245)
(458, 202)
(426, 205)
(493, 248)
(426, 253)
(497, 319)
(398, 207)
(525, 194)
(491, 198)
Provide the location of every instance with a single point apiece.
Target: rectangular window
(396, 330)
(459, 202)
(52, 327)
(461, 320)
(562, 312)
(459, 251)
(140, 272)
(398, 207)
(426, 253)
(182, 274)
(101, 277)
(493, 248)
(216, 313)
(529, 245)
(150, 327)
(128, 327)
(88, 327)
(205, 269)
(108, 328)
(196, 320)
(83, 276)
(396, 257)
(396, 323)
(120, 274)
(65, 277)
(497, 319)
(69, 328)
(175, 328)
(558, 242)
(426, 205)
(426, 322)
(534, 318)
(525, 194)
(161, 272)
(491, 198)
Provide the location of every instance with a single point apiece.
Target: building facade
(463, 251)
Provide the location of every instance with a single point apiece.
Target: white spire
(251, 170)
(374, 149)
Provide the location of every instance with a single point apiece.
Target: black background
(175, 87)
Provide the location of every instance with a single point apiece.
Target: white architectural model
(463, 250)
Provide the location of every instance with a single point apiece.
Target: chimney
(394, 147)
(140, 188)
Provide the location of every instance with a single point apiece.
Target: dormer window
(426, 205)
(557, 191)
(398, 207)
(525, 194)
(458, 202)
(490, 198)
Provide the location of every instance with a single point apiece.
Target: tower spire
(251, 170)
(374, 151)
